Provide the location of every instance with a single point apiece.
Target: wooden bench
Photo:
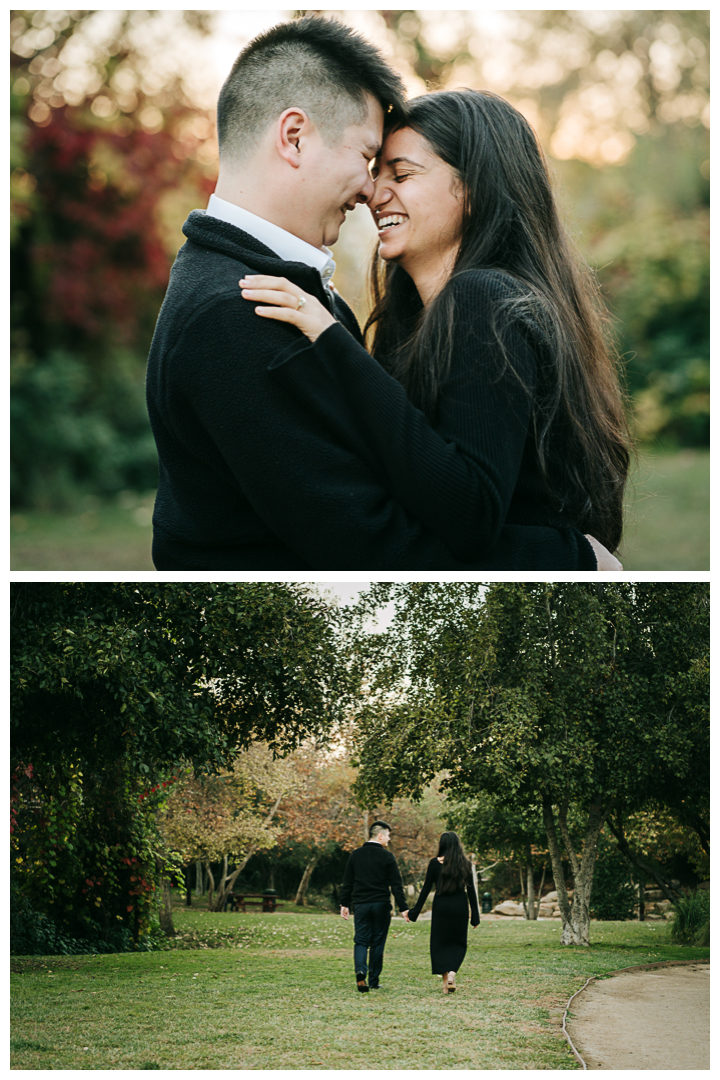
(265, 902)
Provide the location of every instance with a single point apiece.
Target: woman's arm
(429, 882)
(472, 896)
(459, 479)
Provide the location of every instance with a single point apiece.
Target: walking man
(371, 870)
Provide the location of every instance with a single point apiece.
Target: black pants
(372, 922)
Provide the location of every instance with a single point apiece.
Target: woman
(496, 398)
(450, 874)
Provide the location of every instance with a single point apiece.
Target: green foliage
(33, 933)
(586, 696)
(115, 684)
(613, 893)
(691, 925)
(77, 428)
(90, 249)
(155, 674)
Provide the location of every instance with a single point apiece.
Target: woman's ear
(292, 125)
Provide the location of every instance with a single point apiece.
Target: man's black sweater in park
(252, 479)
(370, 871)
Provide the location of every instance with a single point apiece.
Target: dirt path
(656, 1019)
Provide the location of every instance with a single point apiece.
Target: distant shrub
(76, 430)
(691, 925)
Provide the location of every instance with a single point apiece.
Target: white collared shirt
(288, 247)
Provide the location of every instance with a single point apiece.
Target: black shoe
(361, 982)
(378, 987)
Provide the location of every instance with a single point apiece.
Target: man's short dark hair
(313, 63)
(378, 827)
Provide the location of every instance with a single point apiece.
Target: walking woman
(450, 874)
(492, 396)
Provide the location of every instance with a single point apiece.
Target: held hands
(345, 912)
(292, 305)
(406, 916)
(605, 561)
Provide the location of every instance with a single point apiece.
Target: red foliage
(96, 246)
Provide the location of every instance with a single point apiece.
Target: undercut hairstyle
(511, 224)
(456, 866)
(315, 64)
(378, 827)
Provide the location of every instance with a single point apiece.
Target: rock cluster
(656, 906)
(549, 908)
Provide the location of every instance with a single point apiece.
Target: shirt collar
(290, 248)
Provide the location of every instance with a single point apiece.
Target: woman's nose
(380, 195)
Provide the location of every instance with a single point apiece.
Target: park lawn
(667, 524)
(104, 536)
(283, 997)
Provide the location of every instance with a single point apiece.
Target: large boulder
(509, 907)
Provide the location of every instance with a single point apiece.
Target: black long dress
(448, 931)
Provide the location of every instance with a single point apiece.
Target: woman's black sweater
(432, 879)
(478, 469)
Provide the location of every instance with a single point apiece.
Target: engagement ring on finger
(301, 301)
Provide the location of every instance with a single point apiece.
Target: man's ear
(293, 125)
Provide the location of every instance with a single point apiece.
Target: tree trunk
(165, 909)
(301, 897)
(531, 912)
(211, 883)
(542, 882)
(641, 899)
(473, 864)
(166, 919)
(575, 918)
(199, 883)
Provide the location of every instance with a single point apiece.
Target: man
(370, 871)
(248, 480)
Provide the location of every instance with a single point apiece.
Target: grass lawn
(277, 992)
(668, 525)
(668, 513)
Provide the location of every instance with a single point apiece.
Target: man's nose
(365, 193)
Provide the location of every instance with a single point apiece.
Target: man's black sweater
(251, 478)
(370, 871)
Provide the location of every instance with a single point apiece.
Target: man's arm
(312, 491)
(395, 883)
(347, 887)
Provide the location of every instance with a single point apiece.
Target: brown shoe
(361, 982)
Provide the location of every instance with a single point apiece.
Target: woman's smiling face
(417, 204)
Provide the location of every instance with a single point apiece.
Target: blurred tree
(103, 143)
(621, 101)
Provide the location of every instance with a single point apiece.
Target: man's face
(337, 177)
(383, 837)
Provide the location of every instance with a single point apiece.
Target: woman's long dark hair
(511, 224)
(455, 866)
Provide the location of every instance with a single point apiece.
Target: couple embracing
(371, 870)
(477, 424)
